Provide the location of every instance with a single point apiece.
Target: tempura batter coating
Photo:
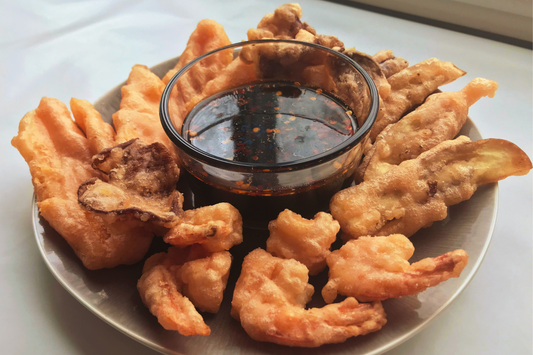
(235, 74)
(307, 241)
(285, 23)
(270, 298)
(377, 268)
(410, 87)
(216, 228)
(173, 283)
(99, 134)
(142, 183)
(438, 119)
(390, 64)
(417, 192)
(282, 60)
(59, 157)
(138, 116)
(208, 36)
(372, 68)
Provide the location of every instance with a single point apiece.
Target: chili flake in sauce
(269, 122)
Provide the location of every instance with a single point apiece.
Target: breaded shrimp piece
(217, 228)
(376, 268)
(269, 301)
(308, 241)
(173, 283)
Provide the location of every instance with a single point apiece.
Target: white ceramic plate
(112, 295)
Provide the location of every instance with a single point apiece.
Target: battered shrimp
(308, 241)
(173, 283)
(216, 228)
(376, 268)
(270, 298)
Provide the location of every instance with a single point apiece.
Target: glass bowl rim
(222, 163)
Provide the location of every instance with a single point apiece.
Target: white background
(82, 49)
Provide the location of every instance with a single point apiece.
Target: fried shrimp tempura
(377, 268)
(438, 119)
(410, 87)
(390, 64)
(59, 157)
(138, 116)
(270, 298)
(216, 228)
(307, 241)
(142, 183)
(173, 283)
(417, 192)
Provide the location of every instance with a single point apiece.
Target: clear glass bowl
(282, 126)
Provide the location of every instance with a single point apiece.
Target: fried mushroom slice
(270, 297)
(307, 241)
(390, 64)
(59, 155)
(410, 87)
(142, 183)
(216, 228)
(417, 192)
(438, 119)
(173, 283)
(377, 268)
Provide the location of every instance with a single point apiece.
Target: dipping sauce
(267, 124)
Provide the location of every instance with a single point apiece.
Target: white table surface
(82, 49)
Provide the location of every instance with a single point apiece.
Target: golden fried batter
(282, 60)
(307, 241)
(59, 158)
(142, 183)
(373, 69)
(207, 36)
(376, 268)
(99, 134)
(390, 64)
(410, 87)
(173, 283)
(270, 298)
(138, 116)
(235, 74)
(438, 119)
(417, 192)
(216, 228)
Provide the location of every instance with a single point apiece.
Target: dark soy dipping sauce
(269, 123)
